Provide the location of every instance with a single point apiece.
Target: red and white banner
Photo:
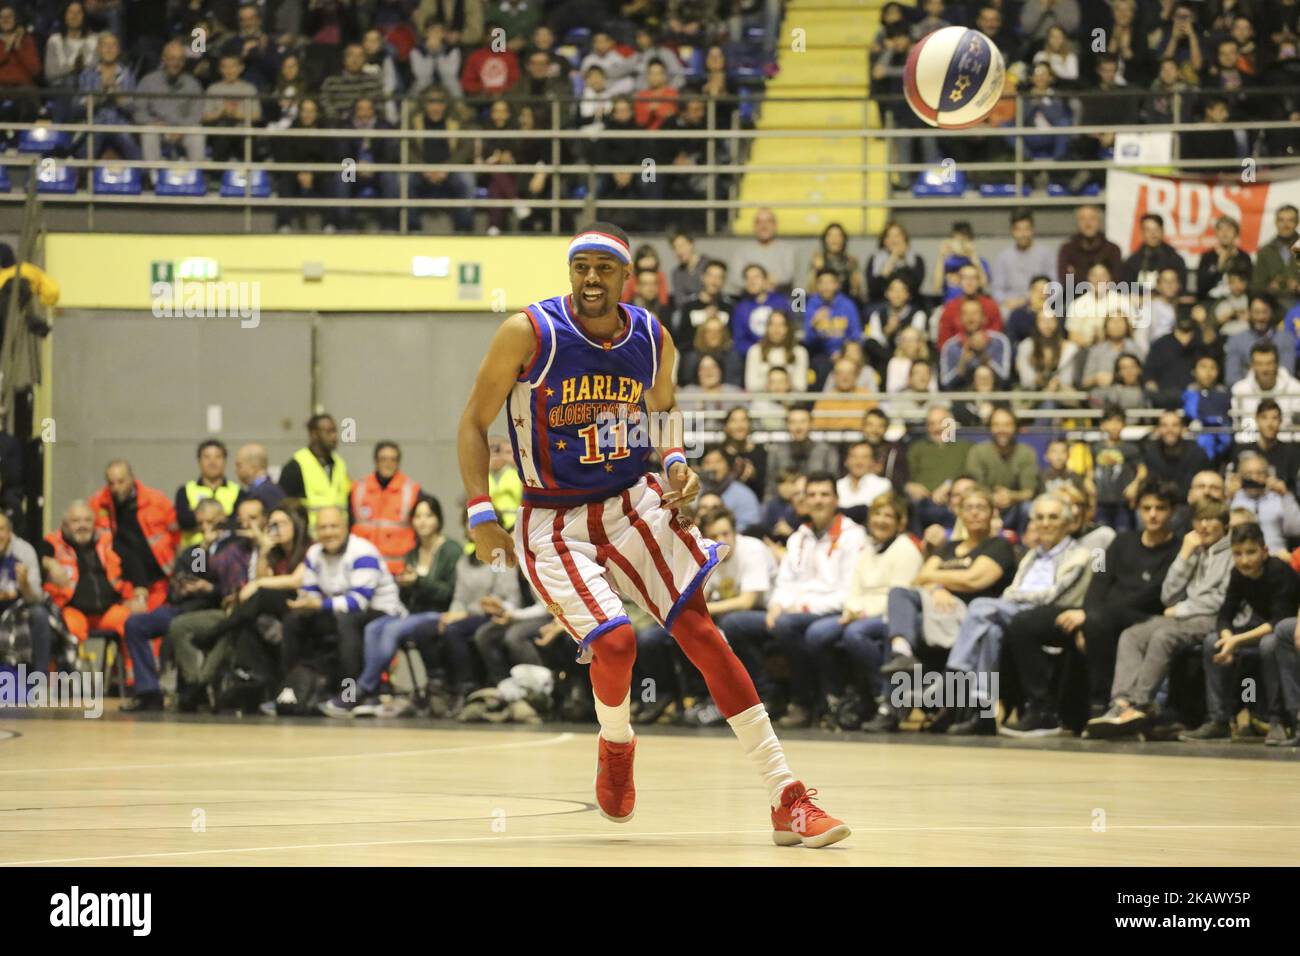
(1190, 208)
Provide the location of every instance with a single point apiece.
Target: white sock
(616, 721)
(899, 646)
(754, 731)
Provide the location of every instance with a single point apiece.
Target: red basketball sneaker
(798, 820)
(615, 791)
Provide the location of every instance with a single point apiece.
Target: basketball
(953, 77)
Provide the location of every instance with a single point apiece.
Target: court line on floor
(365, 755)
(614, 840)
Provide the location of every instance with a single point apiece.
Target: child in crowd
(1058, 473)
(1117, 471)
(1262, 592)
(781, 514)
(1208, 402)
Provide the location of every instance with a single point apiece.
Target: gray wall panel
(139, 387)
(404, 378)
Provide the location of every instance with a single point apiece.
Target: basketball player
(595, 525)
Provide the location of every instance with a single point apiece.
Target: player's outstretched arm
(509, 354)
(662, 398)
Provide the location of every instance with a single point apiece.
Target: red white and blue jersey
(578, 418)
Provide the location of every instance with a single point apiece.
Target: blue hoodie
(824, 336)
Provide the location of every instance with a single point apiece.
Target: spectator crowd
(1118, 63)
(889, 534)
(454, 67)
(475, 72)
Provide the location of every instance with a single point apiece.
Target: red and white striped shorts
(580, 560)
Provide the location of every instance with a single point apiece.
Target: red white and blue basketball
(953, 77)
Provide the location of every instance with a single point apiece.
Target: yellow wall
(361, 273)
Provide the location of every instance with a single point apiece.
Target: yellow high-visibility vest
(196, 491)
(322, 490)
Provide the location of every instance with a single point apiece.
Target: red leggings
(614, 652)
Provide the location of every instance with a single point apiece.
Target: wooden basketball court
(162, 791)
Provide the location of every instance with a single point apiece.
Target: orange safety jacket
(66, 555)
(383, 516)
(157, 516)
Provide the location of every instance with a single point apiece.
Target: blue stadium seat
(42, 140)
(56, 179)
(578, 192)
(120, 180)
(4, 179)
(480, 192)
(181, 182)
(233, 182)
(579, 37)
(931, 184)
(997, 190)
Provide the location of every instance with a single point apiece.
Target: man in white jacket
(1267, 379)
(814, 575)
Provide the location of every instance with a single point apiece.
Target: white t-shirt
(750, 566)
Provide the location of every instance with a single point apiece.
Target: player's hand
(493, 543)
(685, 485)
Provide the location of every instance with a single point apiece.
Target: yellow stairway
(822, 55)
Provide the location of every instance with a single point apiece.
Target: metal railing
(576, 180)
